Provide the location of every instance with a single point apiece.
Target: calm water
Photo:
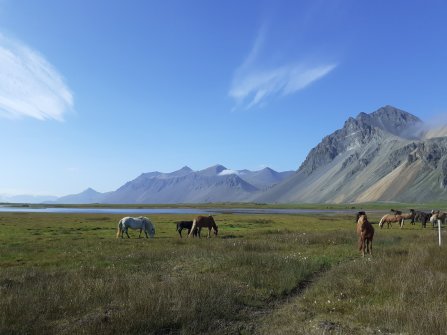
(192, 211)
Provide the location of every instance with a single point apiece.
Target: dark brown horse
(365, 231)
(185, 225)
(423, 217)
(204, 221)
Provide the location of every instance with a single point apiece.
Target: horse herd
(423, 217)
(144, 224)
(365, 230)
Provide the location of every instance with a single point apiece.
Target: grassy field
(263, 274)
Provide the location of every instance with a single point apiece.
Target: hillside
(382, 156)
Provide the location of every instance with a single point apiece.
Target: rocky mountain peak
(392, 120)
(361, 130)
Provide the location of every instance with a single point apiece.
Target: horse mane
(396, 212)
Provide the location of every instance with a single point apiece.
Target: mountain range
(214, 184)
(386, 155)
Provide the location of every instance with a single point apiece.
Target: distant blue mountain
(213, 184)
(89, 196)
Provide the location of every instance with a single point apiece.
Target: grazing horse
(389, 218)
(141, 223)
(365, 231)
(204, 221)
(185, 225)
(423, 217)
(438, 217)
(406, 216)
(398, 216)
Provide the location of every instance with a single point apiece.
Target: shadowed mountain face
(381, 156)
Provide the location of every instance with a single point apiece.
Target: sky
(95, 92)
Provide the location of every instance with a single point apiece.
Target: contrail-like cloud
(254, 87)
(29, 85)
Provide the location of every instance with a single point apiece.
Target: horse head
(151, 230)
(359, 214)
(149, 227)
(216, 229)
(214, 225)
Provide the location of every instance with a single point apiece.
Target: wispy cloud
(252, 84)
(29, 85)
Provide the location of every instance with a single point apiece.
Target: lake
(189, 211)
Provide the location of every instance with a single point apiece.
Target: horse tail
(381, 221)
(119, 229)
(193, 227)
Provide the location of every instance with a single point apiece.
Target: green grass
(68, 274)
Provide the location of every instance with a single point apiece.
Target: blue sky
(94, 93)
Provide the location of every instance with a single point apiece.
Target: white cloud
(228, 172)
(29, 85)
(253, 84)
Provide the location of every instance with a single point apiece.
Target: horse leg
(127, 233)
(199, 230)
(363, 246)
(141, 229)
(209, 232)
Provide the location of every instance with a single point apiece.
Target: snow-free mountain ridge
(386, 155)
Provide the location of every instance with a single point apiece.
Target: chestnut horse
(365, 231)
(398, 216)
(204, 221)
(390, 218)
(406, 216)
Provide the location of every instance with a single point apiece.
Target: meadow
(263, 274)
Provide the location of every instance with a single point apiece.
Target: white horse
(141, 223)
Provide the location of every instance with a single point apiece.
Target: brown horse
(365, 231)
(406, 216)
(390, 218)
(204, 221)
